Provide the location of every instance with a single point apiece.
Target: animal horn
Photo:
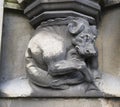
(75, 27)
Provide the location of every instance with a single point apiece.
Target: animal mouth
(85, 52)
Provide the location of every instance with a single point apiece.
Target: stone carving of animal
(60, 56)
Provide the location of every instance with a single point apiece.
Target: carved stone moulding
(111, 2)
(41, 10)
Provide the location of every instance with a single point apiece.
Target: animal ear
(94, 30)
(76, 26)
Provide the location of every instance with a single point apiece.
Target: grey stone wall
(16, 34)
(1, 20)
(59, 102)
(109, 42)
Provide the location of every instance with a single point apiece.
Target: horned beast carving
(59, 56)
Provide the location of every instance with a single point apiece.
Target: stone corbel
(73, 22)
(61, 57)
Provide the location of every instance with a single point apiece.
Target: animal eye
(87, 36)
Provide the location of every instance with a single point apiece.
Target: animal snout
(91, 51)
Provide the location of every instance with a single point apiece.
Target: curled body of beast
(62, 55)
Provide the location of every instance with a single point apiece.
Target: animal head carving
(84, 37)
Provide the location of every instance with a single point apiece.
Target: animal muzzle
(90, 50)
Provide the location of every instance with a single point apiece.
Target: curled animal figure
(57, 56)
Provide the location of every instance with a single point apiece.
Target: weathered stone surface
(109, 31)
(12, 1)
(108, 42)
(1, 22)
(26, 89)
(55, 102)
(16, 29)
(51, 103)
(109, 87)
(37, 9)
(111, 2)
(12, 4)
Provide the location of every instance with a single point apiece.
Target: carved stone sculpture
(61, 57)
(66, 52)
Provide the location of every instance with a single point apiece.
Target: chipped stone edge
(11, 5)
